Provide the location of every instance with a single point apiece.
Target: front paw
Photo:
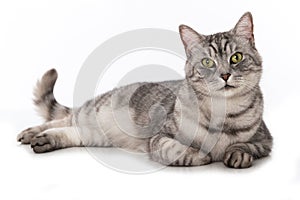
(238, 159)
(26, 136)
(43, 143)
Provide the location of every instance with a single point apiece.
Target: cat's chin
(226, 91)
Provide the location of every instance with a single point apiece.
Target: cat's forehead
(218, 37)
(219, 43)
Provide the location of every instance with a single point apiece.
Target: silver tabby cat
(214, 114)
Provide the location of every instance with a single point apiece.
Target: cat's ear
(189, 36)
(244, 27)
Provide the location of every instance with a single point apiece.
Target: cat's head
(223, 63)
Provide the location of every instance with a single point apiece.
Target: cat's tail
(46, 104)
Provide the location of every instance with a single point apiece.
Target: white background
(38, 35)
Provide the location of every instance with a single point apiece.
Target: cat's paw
(238, 159)
(43, 143)
(26, 136)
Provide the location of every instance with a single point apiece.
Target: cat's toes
(26, 136)
(43, 143)
(238, 159)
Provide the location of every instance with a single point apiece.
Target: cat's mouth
(227, 87)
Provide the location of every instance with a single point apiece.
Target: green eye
(236, 58)
(207, 62)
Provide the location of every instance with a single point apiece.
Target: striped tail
(46, 104)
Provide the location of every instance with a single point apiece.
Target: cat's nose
(225, 77)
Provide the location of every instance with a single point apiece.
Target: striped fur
(46, 104)
(202, 119)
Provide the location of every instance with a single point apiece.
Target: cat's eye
(236, 58)
(207, 62)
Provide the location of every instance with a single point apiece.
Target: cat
(213, 115)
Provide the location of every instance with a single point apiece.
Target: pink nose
(225, 77)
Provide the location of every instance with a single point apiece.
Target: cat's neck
(230, 104)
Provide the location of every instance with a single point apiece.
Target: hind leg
(58, 134)
(56, 138)
(64, 137)
(26, 136)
